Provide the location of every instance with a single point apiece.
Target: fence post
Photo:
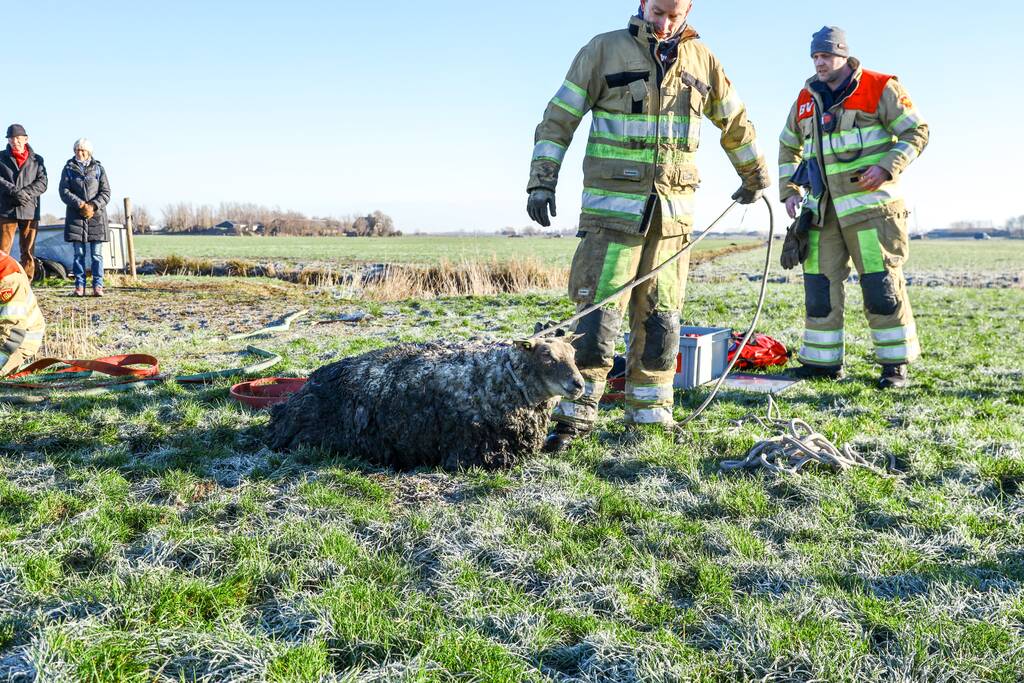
(129, 225)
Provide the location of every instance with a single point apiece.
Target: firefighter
(849, 137)
(647, 88)
(21, 322)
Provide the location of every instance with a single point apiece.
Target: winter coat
(645, 129)
(90, 186)
(30, 179)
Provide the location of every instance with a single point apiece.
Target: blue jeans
(95, 263)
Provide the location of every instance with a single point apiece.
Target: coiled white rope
(795, 447)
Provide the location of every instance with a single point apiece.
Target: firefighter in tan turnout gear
(647, 87)
(21, 322)
(848, 138)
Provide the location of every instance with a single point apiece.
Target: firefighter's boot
(561, 437)
(832, 372)
(894, 376)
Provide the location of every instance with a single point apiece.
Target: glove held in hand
(798, 242)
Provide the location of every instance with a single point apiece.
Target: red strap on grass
(115, 366)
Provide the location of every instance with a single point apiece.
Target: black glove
(23, 198)
(537, 206)
(798, 242)
(745, 196)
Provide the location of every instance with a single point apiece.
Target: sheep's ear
(525, 344)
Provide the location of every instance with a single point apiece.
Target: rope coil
(797, 445)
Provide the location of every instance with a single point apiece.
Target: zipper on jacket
(659, 70)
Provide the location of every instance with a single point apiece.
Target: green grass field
(941, 258)
(367, 249)
(152, 537)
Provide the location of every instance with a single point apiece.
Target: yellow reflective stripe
(724, 110)
(821, 356)
(604, 202)
(552, 151)
(15, 311)
(678, 206)
(855, 165)
(906, 122)
(599, 151)
(789, 139)
(653, 416)
(894, 334)
(902, 352)
(907, 150)
(823, 338)
(856, 139)
(653, 393)
(862, 201)
(572, 98)
(744, 154)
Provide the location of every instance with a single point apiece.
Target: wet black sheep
(412, 405)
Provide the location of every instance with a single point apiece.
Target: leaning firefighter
(647, 87)
(21, 321)
(848, 138)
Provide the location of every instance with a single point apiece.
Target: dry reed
(70, 335)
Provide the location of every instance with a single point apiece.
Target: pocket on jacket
(893, 238)
(623, 170)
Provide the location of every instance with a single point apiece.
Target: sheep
(432, 405)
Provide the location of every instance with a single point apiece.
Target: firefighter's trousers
(605, 261)
(878, 249)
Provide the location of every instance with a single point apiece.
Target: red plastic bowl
(263, 393)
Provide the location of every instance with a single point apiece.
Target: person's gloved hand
(798, 242)
(747, 196)
(23, 197)
(793, 205)
(87, 211)
(537, 206)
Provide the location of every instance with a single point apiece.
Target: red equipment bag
(760, 352)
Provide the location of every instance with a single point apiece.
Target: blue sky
(427, 110)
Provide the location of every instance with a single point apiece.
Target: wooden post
(129, 224)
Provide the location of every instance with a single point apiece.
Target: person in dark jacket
(22, 182)
(86, 191)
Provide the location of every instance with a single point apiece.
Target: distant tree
(1015, 226)
(50, 219)
(141, 220)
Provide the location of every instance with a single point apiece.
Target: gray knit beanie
(830, 39)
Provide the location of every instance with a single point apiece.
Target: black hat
(831, 40)
(16, 129)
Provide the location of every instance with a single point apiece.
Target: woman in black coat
(86, 191)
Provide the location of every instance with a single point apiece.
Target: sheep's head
(554, 363)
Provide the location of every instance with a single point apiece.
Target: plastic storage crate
(703, 355)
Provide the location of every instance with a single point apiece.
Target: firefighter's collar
(641, 30)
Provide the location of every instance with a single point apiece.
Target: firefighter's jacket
(21, 321)
(875, 125)
(645, 130)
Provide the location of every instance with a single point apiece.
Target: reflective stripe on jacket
(645, 129)
(21, 322)
(876, 125)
